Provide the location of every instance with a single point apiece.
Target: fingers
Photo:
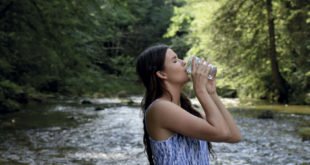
(205, 67)
(193, 65)
(208, 69)
(196, 65)
(200, 66)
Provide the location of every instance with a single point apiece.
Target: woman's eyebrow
(174, 57)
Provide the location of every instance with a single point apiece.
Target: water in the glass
(212, 72)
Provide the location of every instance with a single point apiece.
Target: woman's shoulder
(160, 104)
(160, 107)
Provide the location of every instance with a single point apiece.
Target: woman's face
(175, 68)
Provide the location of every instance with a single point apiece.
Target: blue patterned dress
(180, 150)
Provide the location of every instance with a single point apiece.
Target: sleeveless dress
(180, 150)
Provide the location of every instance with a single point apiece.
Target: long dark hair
(148, 62)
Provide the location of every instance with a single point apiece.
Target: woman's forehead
(170, 54)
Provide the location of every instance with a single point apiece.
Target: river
(66, 132)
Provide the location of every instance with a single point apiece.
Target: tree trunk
(278, 81)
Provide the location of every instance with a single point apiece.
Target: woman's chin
(188, 79)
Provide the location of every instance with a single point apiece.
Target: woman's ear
(161, 75)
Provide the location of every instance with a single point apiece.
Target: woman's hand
(199, 75)
(211, 86)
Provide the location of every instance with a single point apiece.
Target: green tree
(74, 47)
(237, 37)
(278, 80)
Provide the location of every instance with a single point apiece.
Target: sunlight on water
(96, 155)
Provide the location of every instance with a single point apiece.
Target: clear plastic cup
(212, 72)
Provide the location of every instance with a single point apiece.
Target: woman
(174, 132)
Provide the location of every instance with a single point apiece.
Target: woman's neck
(175, 92)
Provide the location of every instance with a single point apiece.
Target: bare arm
(234, 130)
(235, 135)
(212, 113)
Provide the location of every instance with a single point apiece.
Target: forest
(74, 48)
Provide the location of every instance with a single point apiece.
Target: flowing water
(70, 133)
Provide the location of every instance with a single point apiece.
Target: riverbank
(263, 106)
(13, 97)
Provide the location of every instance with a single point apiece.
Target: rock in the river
(266, 115)
(72, 118)
(98, 108)
(122, 94)
(86, 102)
(130, 102)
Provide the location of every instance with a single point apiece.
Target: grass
(292, 109)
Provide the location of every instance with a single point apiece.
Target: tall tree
(278, 80)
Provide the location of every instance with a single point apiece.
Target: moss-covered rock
(267, 114)
(122, 94)
(304, 133)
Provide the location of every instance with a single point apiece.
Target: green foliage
(84, 47)
(9, 92)
(76, 47)
(123, 64)
(234, 35)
